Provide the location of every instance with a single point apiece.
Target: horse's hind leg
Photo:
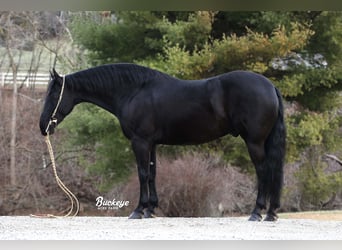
(257, 154)
(271, 212)
(274, 197)
(153, 198)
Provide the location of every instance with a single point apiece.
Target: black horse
(154, 108)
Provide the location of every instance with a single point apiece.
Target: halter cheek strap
(53, 119)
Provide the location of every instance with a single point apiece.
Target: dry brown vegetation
(36, 190)
(197, 185)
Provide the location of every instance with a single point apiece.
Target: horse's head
(58, 104)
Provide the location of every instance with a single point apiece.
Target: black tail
(275, 155)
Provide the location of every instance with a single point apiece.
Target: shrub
(315, 183)
(196, 185)
(318, 184)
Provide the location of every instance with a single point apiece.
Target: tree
(19, 35)
(98, 133)
(126, 36)
(13, 34)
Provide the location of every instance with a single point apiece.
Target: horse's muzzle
(49, 128)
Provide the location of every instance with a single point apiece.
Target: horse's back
(247, 81)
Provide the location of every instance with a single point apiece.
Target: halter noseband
(53, 119)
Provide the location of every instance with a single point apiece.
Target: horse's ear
(55, 74)
(51, 74)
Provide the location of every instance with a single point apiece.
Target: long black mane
(112, 77)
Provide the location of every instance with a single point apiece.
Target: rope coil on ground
(73, 199)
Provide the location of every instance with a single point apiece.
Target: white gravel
(120, 228)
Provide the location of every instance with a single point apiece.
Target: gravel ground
(120, 228)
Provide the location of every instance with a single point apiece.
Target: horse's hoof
(255, 217)
(271, 217)
(135, 215)
(149, 214)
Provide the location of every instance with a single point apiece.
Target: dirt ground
(120, 228)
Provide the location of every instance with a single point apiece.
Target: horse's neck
(107, 97)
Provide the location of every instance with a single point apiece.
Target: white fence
(25, 78)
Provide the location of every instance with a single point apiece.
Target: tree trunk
(13, 130)
(13, 177)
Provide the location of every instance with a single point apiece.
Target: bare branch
(334, 157)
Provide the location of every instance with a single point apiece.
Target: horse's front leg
(142, 151)
(153, 198)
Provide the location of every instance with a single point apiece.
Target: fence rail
(26, 79)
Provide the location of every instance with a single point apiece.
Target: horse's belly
(194, 132)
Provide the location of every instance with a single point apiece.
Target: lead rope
(73, 199)
(53, 119)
